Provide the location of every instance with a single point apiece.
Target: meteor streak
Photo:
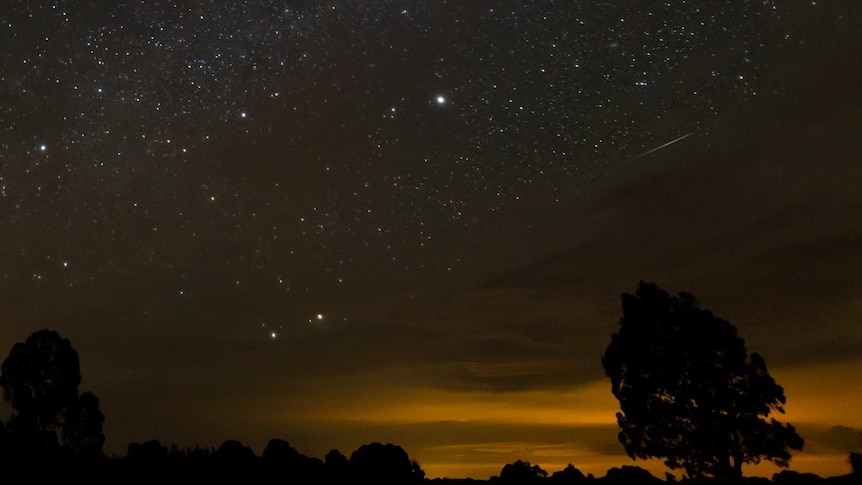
(677, 140)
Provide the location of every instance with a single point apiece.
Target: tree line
(689, 394)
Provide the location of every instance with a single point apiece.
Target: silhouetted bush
(789, 477)
(628, 475)
(521, 472)
(569, 476)
(855, 459)
(384, 465)
(279, 461)
(336, 467)
(745, 481)
(856, 462)
(147, 462)
(236, 463)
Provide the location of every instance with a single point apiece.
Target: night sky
(344, 221)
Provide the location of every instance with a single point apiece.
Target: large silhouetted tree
(689, 392)
(40, 379)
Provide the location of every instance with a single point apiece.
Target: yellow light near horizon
(588, 405)
(821, 394)
(818, 397)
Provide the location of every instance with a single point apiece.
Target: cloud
(843, 439)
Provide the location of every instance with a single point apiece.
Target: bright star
(441, 99)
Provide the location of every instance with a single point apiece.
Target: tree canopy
(40, 379)
(82, 425)
(689, 392)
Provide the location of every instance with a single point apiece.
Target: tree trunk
(737, 465)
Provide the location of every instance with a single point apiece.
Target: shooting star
(683, 137)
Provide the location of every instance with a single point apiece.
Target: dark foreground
(383, 464)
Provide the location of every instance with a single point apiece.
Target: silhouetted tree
(688, 390)
(82, 427)
(384, 465)
(521, 472)
(40, 380)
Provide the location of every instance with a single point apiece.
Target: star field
(252, 170)
(295, 149)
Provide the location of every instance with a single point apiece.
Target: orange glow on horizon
(590, 405)
(817, 398)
